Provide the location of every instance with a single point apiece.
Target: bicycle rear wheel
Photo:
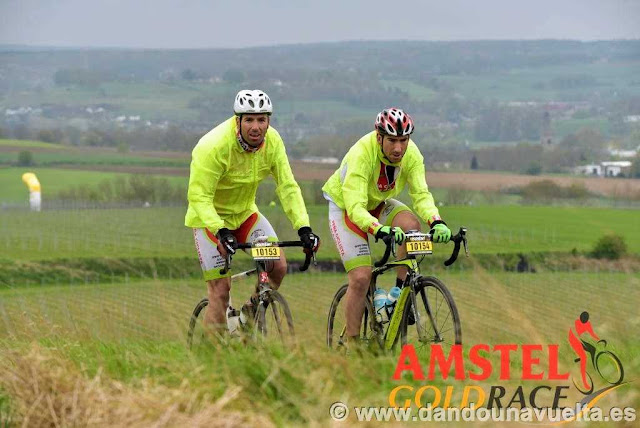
(273, 319)
(435, 318)
(337, 323)
(196, 330)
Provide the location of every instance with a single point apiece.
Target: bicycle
(269, 301)
(415, 305)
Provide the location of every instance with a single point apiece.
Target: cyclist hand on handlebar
(396, 232)
(440, 233)
(227, 241)
(310, 240)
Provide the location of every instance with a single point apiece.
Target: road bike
(425, 311)
(269, 317)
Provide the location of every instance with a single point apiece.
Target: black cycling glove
(227, 240)
(310, 241)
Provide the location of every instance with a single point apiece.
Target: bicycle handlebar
(391, 244)
(460, 237)
(309, 255)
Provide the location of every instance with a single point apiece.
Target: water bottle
(392, 297)
(233, 320)
(379, 302)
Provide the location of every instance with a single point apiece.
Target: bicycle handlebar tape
(389, 241)
(457, 239)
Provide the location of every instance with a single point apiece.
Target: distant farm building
(604, 169)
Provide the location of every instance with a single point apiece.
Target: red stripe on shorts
(351, 225)
(242, 233)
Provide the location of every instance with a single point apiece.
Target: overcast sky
(233, 23)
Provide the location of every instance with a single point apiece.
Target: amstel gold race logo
(596, 372)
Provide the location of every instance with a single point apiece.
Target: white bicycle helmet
(252, 101)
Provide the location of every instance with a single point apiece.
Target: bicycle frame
(408, 289)
(264, 286)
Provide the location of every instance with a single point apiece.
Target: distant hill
(394, 59)
(456, 91)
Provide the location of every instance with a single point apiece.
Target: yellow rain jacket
(357, 186)
(224, 179)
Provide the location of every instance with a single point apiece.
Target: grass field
(114, 353)
(159, 232)
(533, 83)
(53, 180)
(47, 154)
(86, 158)
(119, 349)
(7, 144)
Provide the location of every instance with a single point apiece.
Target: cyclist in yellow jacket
(227, 166)
(360, 194)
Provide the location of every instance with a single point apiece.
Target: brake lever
(227, 262)
(463, 234)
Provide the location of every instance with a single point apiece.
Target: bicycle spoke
(276, 315)
(432, 324)
(443, 323)
(438, 305)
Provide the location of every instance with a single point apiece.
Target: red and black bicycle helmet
(395, 122)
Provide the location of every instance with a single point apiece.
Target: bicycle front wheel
(430, 316)
(273, 319)
(196, 331)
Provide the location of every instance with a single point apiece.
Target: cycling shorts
(353, 243)
(207, 243)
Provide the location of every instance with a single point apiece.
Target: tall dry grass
(48, 391)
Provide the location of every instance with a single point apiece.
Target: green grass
(135, 334)
(47, 154)
(569, 126)
(157, 232)
(416, 92)
(28, 144)
(518, 84)
(151, 100)
(68, 157)
(13, 190)
(540, 228)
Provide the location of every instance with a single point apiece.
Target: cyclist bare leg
(359, 279)
(215, 316)
(277, 270)
(406, 220)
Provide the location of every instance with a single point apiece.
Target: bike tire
(273, 320)
(193, 322)
(616, 362)
(430, 296)
(336, 323)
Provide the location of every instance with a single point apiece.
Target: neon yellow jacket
(354, 186)
(224, 179)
